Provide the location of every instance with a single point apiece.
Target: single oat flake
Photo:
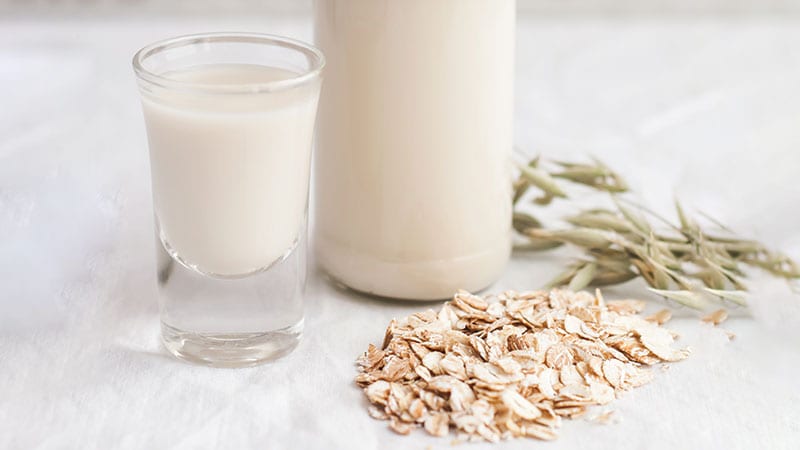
(716, 317)
(510, 366)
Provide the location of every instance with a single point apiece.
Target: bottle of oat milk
(412, 187)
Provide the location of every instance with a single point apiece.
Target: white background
(303, 6)
(702, 106)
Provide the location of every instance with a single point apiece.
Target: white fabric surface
(704, 108)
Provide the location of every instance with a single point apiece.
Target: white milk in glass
(230, 171)
(414, 141)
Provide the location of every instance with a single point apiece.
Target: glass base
(230, 350)
(228, 321)
(427, 280)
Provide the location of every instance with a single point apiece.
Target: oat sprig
(680, 261)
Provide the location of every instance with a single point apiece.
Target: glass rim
(315, 57)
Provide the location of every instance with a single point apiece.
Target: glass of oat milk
(415, 135)
(230, 122)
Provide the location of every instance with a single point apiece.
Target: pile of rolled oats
(512, 365)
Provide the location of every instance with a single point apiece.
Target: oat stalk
(680, 261)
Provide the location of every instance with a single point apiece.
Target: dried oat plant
(683, 262)
(511, 366)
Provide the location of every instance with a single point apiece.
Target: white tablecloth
(705, 108)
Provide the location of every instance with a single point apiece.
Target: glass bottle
(412, 177)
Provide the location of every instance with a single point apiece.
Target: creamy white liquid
(230, 171)
(414, 144)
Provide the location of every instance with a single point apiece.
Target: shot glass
(230, 123)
